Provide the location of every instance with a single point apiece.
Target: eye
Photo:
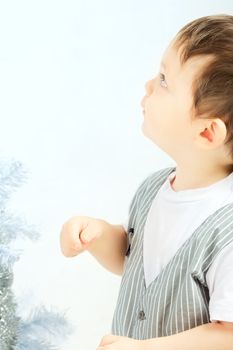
(162, 79)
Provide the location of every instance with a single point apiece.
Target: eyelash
(162, 77)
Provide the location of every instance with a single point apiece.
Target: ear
(211, 133)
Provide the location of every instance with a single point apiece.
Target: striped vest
(178, 298)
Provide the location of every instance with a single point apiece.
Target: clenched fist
(78, 233)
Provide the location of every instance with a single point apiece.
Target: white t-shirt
(174, 216)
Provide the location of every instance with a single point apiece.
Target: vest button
(131, 230)
(142, 315)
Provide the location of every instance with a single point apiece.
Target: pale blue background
(72, 76)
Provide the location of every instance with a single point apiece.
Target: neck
(186, 179)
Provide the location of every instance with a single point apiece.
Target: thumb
(86, 236)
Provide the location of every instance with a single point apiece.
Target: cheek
(166, 120)
(161, 112)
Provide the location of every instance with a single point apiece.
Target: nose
(149, 86)
(149, 90)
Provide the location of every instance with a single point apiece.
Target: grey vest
(178, 298)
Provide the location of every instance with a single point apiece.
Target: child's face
(168, 101)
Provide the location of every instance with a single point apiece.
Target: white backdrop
(72, 76)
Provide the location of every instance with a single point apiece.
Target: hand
(115, 342)
(78, 233)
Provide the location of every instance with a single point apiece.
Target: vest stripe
(178, 298)
(136, 262)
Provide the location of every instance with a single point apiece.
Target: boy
(176, 253)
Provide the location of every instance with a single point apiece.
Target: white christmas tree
(43, 329)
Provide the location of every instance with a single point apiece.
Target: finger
(78, 242)
(109, 339)
(75, 231)
(87, 236)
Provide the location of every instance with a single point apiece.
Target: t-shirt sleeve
(219, 279)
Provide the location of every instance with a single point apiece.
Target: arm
(110, 248)
(209, 336)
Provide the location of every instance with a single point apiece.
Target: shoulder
(161, 174)
(156, 177)
(152, 179)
